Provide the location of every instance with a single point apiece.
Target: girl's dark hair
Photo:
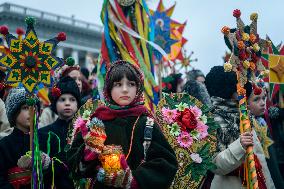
(118, 72)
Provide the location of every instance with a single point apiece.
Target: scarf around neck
(107, 113)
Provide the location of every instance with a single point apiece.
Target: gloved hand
(120, 179)
(25, 161)
(94, 137)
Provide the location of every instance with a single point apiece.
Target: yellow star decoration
(278, 68)
(265, 141)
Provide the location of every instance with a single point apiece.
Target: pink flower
(169, 115)
(203, 135)
(185, 140)
(80, 123)
(202, 129)
(196, 158)
(196, 111)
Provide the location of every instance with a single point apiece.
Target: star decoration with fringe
(265, 141)
(270, 59)
(30, 62)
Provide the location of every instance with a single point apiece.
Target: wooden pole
(160, 78)
(252, 182)
(32, 112)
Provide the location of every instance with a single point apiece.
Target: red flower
(187, 120)
(237, 13)
(55, 92)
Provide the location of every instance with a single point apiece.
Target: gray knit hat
(15, 99)
(197, 90)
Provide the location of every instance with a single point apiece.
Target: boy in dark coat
(14, 172)
(65, 101)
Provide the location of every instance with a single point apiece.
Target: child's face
(256, 103)
(201, 79)
(66, 106)
(76, 75)
(124, 91)
(23, 119)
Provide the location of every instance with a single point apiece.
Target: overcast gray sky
(205, 18)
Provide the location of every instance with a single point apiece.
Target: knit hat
(197, 90)
(193, 74)
(220, 83)
(15, 99)
(65, 85)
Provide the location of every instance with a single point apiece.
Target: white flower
(204, 119)
(195, 134)
(196, 158)
(181, 106)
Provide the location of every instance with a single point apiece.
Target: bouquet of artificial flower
(191, 131)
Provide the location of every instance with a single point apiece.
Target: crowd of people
(145, 163)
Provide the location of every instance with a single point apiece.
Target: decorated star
(279, 69)
(265, 141)
(246, 48)
(163, 39)
(30, 62)
(185, 63)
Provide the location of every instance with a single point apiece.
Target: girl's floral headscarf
(139, 80)
(113, 110)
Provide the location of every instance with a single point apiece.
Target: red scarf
(106, 113)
